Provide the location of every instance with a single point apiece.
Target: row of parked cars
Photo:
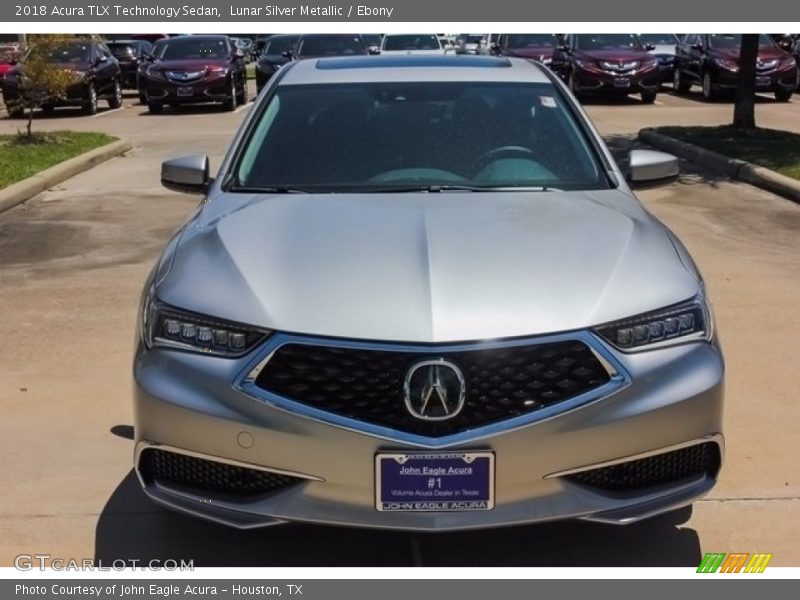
(174, 70)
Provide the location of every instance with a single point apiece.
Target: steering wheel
(500, 152)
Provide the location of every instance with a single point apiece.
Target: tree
(744, 110)
(40, 81)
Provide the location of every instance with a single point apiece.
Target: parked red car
(712, 61)
(612, 63)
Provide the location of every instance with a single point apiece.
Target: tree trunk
(30, 120)
(744, 111)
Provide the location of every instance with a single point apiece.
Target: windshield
(607, 41)
(471, 38)
(411, 42)
(194, 48)
(658, 39)
(530, 40)
(279, 45)
(400, 136)
(122, 50)
(75, 52)
(330, 45)
(733, 41)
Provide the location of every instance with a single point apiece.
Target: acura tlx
(420, 294)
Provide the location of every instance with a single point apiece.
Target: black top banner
(420, 11)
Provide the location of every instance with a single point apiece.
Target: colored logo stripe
(734, 563)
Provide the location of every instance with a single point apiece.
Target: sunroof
(383, 62)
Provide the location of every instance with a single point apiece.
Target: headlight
(789, 63)
(675, 324)
(170, 327)
(728, 65)
(218, 70)
(585, 64)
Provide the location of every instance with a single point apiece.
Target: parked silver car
(419, 294)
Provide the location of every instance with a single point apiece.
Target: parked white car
(413, 43)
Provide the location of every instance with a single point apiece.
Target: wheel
(708, 88)
(48, 108)
(155, 107)
(649, 96)
(115, 101)
(573, 85)
(15, 112)
(90, 101)
(783, 95)
(244, 95)
(678, 83)
(230, 102)
(142, 98)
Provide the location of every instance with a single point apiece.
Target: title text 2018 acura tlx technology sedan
(365, 324)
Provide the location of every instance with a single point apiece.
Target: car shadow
(62, 112)
(695, 95)
(185, 109)
(133, 529)
(629, 101)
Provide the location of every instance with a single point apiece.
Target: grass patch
(771, 148)
(21, 157)
(251, 70)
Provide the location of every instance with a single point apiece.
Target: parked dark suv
(96, 71)
(129, 55)
(610, 63)
(275, 53)
(712, 61)
(535, 46)
(195, 69)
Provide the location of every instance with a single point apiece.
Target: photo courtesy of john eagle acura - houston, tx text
(420, 294)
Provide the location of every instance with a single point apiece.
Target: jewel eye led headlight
(672, 325)
(169, 327)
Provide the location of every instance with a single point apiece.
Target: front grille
(670, 467)
(171, 468)
(367, 385)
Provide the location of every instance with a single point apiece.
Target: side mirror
(238, 54)
(697, 46)
(287, 54)
(649, 47)
(189, 174)
(562, 48)
(373, 50)
(102, 59)
(650, 166)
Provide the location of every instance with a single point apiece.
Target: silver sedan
(420, 294)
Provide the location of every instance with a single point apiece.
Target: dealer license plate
(622, 82)
(763, 81)
(435, 482)
(185, 91)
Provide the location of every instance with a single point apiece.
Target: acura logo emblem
(434, 390)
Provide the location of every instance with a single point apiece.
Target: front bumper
(596, 80)
(766, 81)
(188, 403)
(209, 89)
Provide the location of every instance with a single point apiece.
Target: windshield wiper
(435, 189)
(280, 189)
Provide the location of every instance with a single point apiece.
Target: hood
(763, 53)
(664, 50)
(426, 268)
(534, 52)
(617, 54)
(431, 52)
(191, 64)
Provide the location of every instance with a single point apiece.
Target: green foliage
(42, 80)
(22, 156)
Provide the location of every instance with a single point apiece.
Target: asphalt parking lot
(72, 263)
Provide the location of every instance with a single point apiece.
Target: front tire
(709, 94)
(155, 107)
(115, 101)
(678, 83)
(783, 95)
(90, 103)
(649, 96)
(572, 83)
(230, 103)
(244, 97)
